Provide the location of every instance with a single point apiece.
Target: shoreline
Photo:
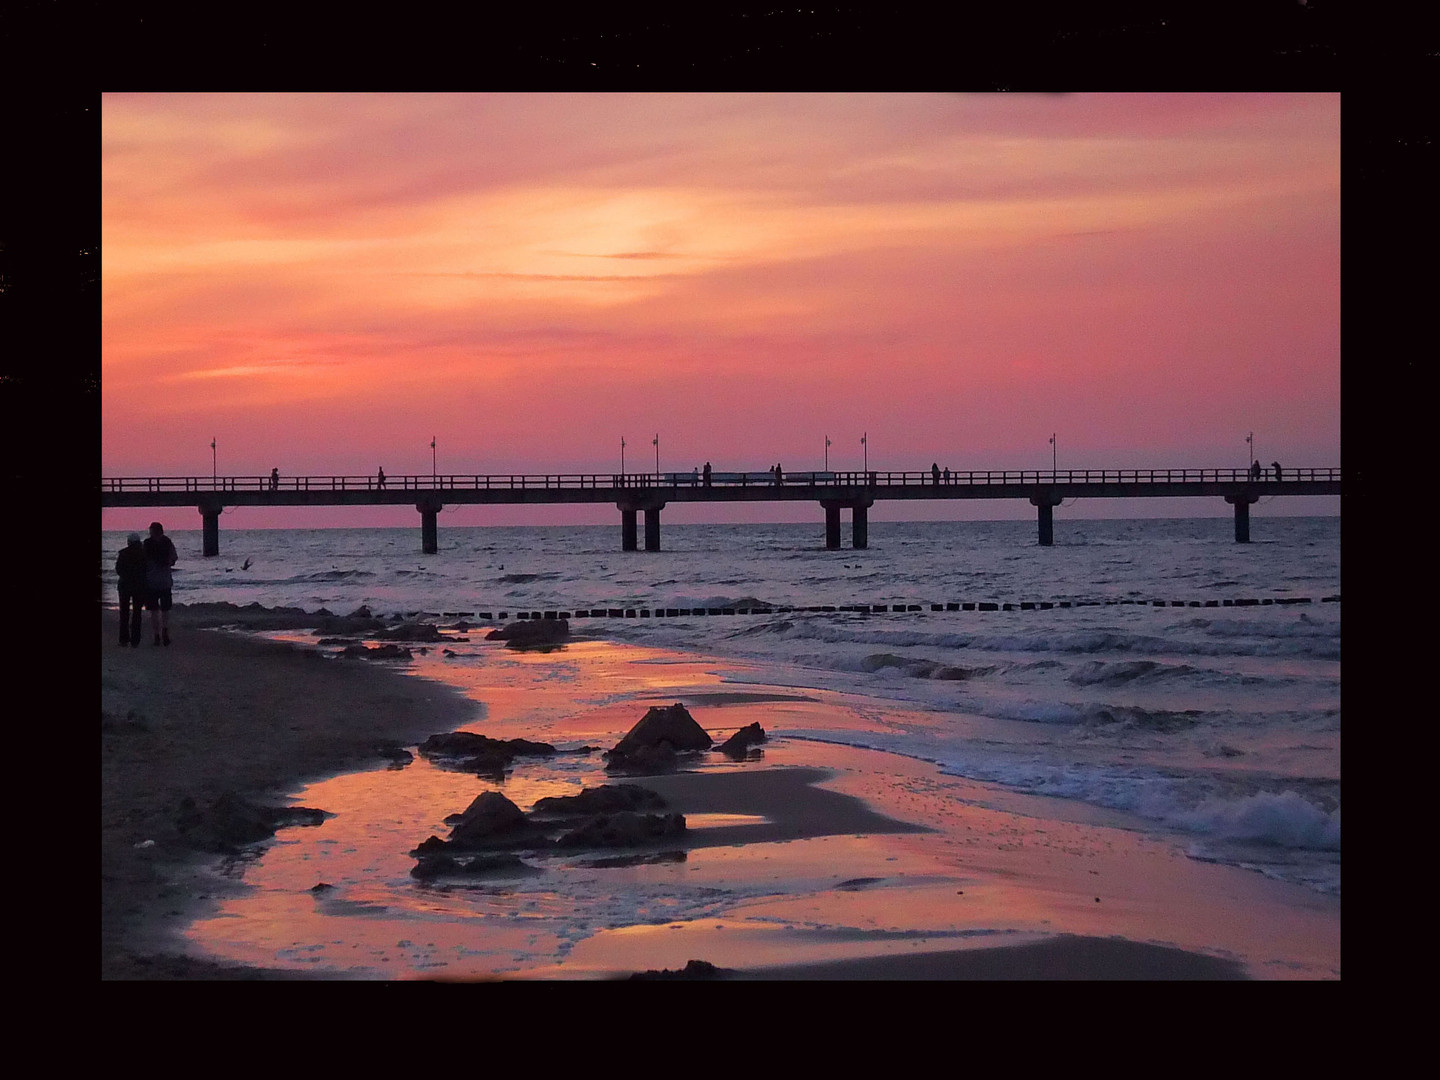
(220, 713)
(204, 699)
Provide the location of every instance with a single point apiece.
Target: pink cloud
(328, 280)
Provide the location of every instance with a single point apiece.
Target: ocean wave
(1304, 645)
(1095, 714)
(1108, 673)
(1161, 720)
(330, 575)
(832, 630)
(720, 602)
(1284, 819)
(1278, 819)
(915, 667)
(1076, 641)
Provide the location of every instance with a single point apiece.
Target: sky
(324, 283)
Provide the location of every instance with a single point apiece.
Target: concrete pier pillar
(860, 527)
(1047, 525)
(832, 526)
(652, 528)
(627, 530)
(210, 527)
(429, 532)
(1242, 516)
(1045, 502)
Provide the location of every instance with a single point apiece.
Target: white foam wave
(1285, 819)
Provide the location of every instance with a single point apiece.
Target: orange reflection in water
(339, 897)
(999, 866)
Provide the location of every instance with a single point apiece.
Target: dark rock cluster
(411, 631)
(379, 652)
(623, 829)
(464, 751)
(230, 823)
(596, 818)
(744, 743)
(606, 799)
(655, 744)
(434, 866)
(694, 970)
(532, 633)
(612, 816)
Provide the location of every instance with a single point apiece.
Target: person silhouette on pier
(935, 473)
(779, 475)
(947, 475)
(1276, 466)
(1254, 470)
(706, 474)
(380, 478)
(274, 479)
(130, 569)
(160, 556)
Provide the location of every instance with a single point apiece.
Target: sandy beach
(919, 871)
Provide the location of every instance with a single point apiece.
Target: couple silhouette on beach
(144, 570)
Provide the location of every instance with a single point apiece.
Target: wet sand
(211, 714)
(921, 878)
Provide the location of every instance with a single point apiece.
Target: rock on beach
(532, 633)
(740, 744)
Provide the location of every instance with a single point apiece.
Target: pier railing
(764, 478)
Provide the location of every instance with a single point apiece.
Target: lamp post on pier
(656, 441)
(214, 466)
(865, 452)
(622, 460)
(434, 469)
(1250, 439)
(1054, 456)
(827, 453)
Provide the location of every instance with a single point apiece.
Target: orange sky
(322, 283)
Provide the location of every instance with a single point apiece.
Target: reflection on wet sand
(813, 853)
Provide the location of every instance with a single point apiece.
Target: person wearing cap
(160, 556)
(130, 569)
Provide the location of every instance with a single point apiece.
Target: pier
(634, 494)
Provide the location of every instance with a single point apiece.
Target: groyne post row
(649, 493)
(658, 612)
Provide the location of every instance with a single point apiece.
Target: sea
(1153, 668)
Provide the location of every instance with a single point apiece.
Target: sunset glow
(323, 282)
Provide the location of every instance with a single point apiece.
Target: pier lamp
(1251, 440)
(865, 453)
(622, 457)
(656, 442)
(214, 466)
(434, 470)
(827, 453)
(1054, 456)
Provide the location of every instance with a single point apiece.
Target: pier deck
(649, 493)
